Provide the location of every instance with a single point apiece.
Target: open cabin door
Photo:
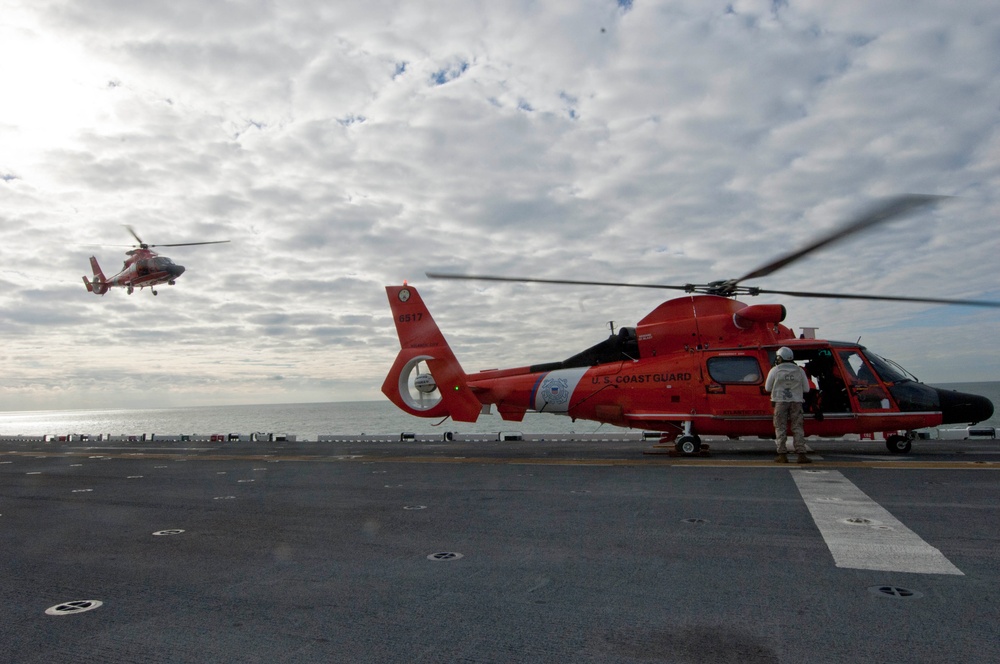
(865, 389)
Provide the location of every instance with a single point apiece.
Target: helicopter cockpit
(840, 372)
(152, 265)
(846, 372)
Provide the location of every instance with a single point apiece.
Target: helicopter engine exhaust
(745, 318)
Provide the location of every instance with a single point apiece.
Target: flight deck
(393, 549)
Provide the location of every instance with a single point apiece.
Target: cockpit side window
(735, 369)
(858, 369)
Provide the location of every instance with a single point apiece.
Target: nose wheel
(898, 444)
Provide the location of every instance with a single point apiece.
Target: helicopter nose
(176, 270)
(959, 407)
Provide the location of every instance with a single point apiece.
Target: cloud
(341, 148)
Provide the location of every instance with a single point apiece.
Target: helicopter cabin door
(735, 388)
(866, 391)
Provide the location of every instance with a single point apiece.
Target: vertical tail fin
(99, 284)
(426, 379)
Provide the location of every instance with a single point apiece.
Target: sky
(343, 147)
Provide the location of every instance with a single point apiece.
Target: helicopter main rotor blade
(887, 210)
(743, 290)
(189, 244)
(134, 234)
(485, 277)
(179, 244)
(884, 298)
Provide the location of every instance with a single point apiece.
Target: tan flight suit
(788, 383)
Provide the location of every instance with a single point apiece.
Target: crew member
(788, 384)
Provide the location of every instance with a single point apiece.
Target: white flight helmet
(785, 354)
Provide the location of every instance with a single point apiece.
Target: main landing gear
(688, 445)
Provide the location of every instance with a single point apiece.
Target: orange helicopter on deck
(693, 366)
(143, 268)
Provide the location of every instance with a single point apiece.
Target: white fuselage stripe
(555, 390)
(860, 533)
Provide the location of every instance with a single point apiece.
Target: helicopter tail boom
(426, 379)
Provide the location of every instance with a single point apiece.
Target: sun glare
(51, 89)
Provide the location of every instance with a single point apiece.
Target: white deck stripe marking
(883, 544)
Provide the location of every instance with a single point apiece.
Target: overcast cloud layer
(342, 147)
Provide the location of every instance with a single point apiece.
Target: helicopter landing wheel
(688, 445)
(899, 444)
(155, 293)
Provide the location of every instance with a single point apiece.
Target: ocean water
(309, 420)
(304, 420)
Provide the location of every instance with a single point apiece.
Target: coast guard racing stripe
(553, 390)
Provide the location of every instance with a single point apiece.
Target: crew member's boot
(803, 458)
(781, 458)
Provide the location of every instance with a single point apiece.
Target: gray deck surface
(570, 552)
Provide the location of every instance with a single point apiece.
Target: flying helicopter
(693, 366)
(143, 267)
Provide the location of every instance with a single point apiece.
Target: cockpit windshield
(889, 371)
